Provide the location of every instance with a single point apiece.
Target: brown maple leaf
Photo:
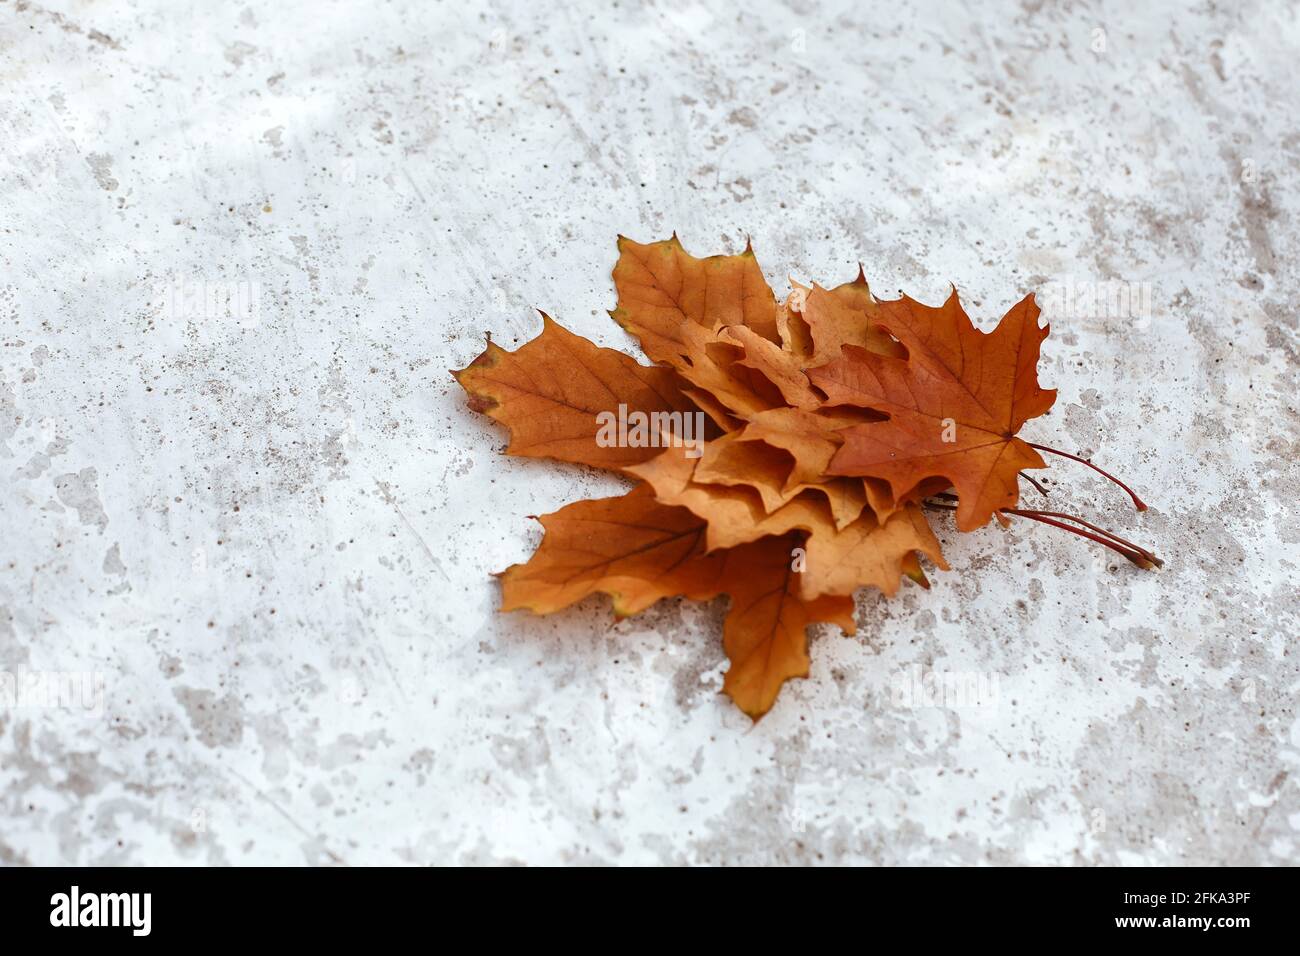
(845, 315)
(783, 449)
(954, 404)
(637, 550)
(661, 287)
(550, 391)
(765, 632)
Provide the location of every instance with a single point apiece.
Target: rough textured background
(273, 539)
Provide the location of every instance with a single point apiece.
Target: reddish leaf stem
(1034, 481)
(1137, 502)
(1138, 557)
(1146, 553)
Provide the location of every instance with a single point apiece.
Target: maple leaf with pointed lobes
(634, 548)
(637, 551)
(871, 551)
(737, 514)
(630, 547)
(713, 362)
(954, 403)
(844, 550)
(549, 391)
(661, 287)
(832, 416)
(765, 631)
(845, 315)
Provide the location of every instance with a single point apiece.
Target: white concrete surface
(273, 538)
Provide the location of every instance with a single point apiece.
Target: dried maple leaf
(830, 417)
(846, 315)
(549, 392)
(765, 632)
(637, 551)
(737, 515)
(661, 287)
(811, 437)
(781, 368)
(845, 546)
(732, 460)
(954, 404)
(870, 552)
(631, 547)
(712, 361)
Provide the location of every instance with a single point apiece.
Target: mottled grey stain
(36, 466)
(79, 491)
(14, 655)
(237, 52)
(9, 417)
(113, 560)
(217, 721)
(101, 165)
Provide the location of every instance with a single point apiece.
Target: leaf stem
(1034, 481)
(1145, 552)
(1137, 502)
(1139, 556)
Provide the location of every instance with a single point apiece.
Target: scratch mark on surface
(387, 493)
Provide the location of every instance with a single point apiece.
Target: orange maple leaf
(637, 551)
(783, 448)
(550, 391)
(661, 287)
(954, 403)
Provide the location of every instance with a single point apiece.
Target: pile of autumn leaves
(831, 417)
